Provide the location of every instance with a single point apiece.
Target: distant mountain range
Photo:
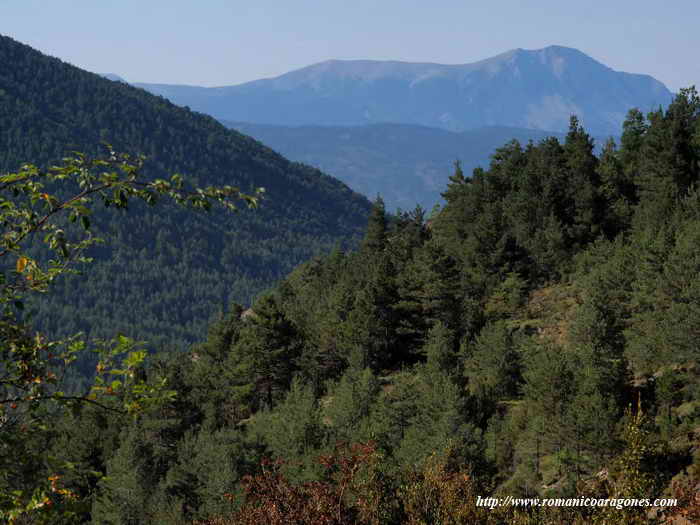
(406, 164)
(535, 89)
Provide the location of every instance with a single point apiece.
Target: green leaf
(135, 358)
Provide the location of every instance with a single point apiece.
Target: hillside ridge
(51, 108)
(536, 89)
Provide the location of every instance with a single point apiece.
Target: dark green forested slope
(165, 271)
(514, 331)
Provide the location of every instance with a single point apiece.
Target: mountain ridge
(536, 89)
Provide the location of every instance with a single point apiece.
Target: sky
(219, 42)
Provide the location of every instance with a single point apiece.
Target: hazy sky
(218, 42)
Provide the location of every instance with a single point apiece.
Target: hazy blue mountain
(537, 89)
(406, 164)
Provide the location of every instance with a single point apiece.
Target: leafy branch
(37, 210)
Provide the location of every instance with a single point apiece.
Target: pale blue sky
(217, 42)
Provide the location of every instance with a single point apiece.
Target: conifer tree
(492, 364)
(440, 420)
(132, 478)
(264, 358)
(547, 393)
(375, 236)
(634, 130)
(292, 431)
(593, 412)
(408, 234)
(372, 321)
(209, 371)
(583, 186)
(350, 403)
(440, 351)
(430, 292)
(617, 190)
(450, 221)
(668, 160)
(393, 411)
(664, 326)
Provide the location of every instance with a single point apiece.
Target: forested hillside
(537, 338)
(405, 164)
(165, 272)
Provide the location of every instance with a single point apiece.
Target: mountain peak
(536, 89)
(553, 52)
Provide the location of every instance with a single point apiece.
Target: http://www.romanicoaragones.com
(617, 503)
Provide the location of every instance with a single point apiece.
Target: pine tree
(376, 234)
(492, 364)
(634, 130)
(440, 351)
(583, 186)
(439, 422)
(372, 321)
(264, 358)
(292, 431)
(594, 410)
(617, 190)
(668, 160)
(547, 393)
(408, 234)
(429, 292)
(392, 413)
(349, 406)
(132, 478)
(207, 374)
(450, 221)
